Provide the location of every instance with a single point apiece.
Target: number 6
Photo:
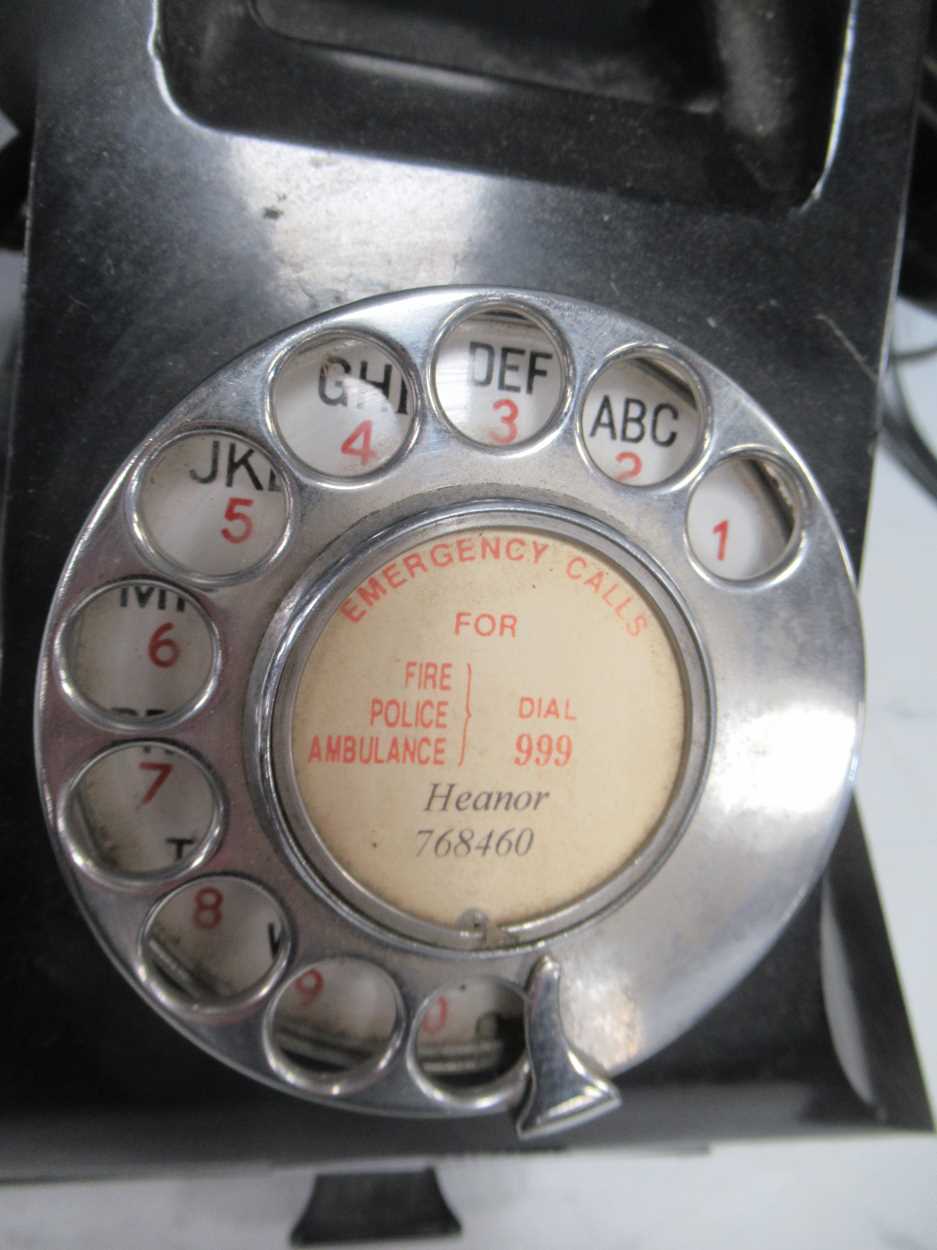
(163, 651)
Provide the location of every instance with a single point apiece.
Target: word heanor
(442, 797)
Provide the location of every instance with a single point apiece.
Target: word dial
(423, 713)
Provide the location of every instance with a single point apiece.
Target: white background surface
(854, 1193)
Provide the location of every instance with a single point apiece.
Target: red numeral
(511, 413)
(360, 435)
(309, 985)
(231, 513)
(207, 913)
(545, 750)
(722, 529)
(162, 772)
(436, 1015)
(163, 651)
(633, 461)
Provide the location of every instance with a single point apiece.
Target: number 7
(162, 771)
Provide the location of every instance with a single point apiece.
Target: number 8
(207, 912)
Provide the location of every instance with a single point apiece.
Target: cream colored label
(493, 721)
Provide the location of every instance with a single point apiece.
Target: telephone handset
(450, 700)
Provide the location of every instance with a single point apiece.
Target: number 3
(509, 419)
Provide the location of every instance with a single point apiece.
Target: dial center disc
(492, 722)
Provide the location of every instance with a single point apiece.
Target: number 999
(543, 750)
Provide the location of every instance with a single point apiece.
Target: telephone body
(694, 305)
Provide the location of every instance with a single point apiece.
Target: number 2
(512, 412)
(633, 461)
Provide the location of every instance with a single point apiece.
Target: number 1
(722, 529)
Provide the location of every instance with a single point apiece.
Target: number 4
(358, 443)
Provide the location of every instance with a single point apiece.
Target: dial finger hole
(641, 421)
(141, 811)
(743, 518)
(137, 651)
(499, 378)
(336, 1021)
(343, 406)
(470, 1034)
(212, 505)
(213, 941)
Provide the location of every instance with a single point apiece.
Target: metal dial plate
(743, 568)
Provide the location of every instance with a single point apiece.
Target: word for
(238, 464)
(442, 797)
(462, 844)
(485, 361)
(485, 625)
(441, 555)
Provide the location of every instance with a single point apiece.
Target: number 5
(241, 518)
